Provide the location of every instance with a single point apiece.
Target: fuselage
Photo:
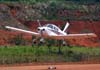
(51, 30)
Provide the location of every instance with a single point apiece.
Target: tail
(66, 26)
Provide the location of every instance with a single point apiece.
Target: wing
(73, 36)
(22, 30)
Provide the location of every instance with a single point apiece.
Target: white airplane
(51, 31)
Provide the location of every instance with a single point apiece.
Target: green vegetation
(56, 9)
(27, 54)
(33, 1)
(18, 40)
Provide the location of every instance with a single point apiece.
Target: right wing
(22, 30)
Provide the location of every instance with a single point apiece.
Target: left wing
(22, 30)
(73, 36)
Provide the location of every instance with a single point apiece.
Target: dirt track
(59, 67)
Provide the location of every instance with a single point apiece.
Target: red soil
(75, 27)
(58, 67)
(7, 36)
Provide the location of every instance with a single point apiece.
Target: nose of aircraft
(41, 29)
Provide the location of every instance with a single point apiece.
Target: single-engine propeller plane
(53, 32)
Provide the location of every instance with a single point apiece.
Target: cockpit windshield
(52, 26)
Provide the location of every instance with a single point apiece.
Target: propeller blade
(39, 23)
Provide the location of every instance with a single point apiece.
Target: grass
(27, 54)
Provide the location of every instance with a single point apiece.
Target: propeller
(39, 28)
(39, 23)
(41, 32)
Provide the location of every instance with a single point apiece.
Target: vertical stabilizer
(66, 26)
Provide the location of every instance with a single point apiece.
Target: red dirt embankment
(6, 37)
(75, 27)
(13, 13)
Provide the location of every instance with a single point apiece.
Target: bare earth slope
(15, 15)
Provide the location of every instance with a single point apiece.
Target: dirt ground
(58, 67)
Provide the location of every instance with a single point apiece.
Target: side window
(55, 29)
